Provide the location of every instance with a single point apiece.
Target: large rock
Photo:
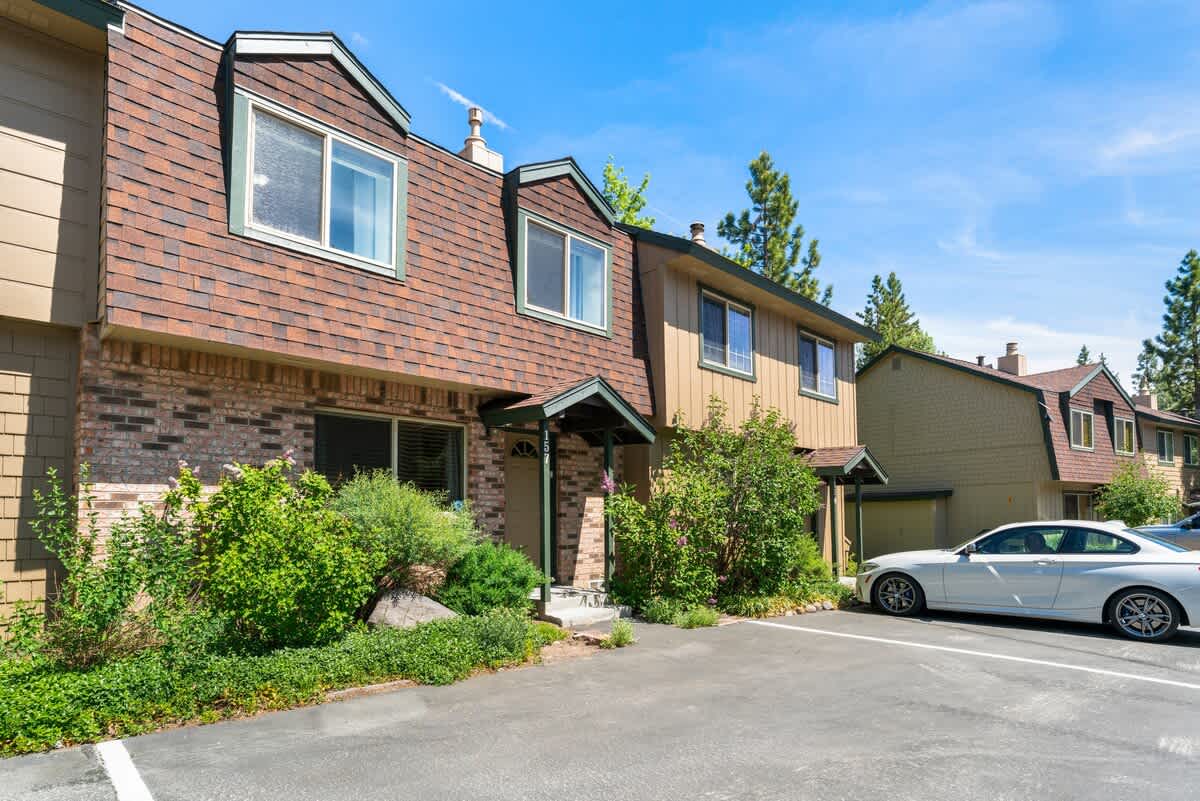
(402, 609)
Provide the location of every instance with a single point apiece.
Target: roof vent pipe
(1012, 362)
(697, 229)
(980, 359)
(475, 146)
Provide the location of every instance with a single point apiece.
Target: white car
(1064, 570)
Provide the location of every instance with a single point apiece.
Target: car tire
(898, 595)
(1144, 614)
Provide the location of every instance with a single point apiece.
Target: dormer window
(305, 186)
(564, 276)
(1082, 429)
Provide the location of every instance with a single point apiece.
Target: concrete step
(584, 616)
(572, 598)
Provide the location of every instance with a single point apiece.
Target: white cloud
(466, 102)
(359, 41)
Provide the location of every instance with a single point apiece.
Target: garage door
(37, 391)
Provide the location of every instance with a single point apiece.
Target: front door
(522, 497)
(1017, 567)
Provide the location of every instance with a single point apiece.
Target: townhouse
(1169, 446)
(250, 251)
(973, 445)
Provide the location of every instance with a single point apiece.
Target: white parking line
(987, 655)
(122, 773)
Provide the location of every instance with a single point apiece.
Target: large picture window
(726, 334)
(818, 366)
(1082, 431)
(564, 275)
(430, 455)
(306, 186)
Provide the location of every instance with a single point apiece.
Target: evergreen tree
(1146, 374)
(1177, 348)
(764, 238)
(1084, 357)
(626, 200)
(888, 312)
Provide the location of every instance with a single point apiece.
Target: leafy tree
(625, 199)
(764, 237)
(888, 312)
(1146, 373)
(1084, 357)
(1177, 348)
(1136, 497)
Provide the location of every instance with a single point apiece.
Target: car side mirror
(970, 549)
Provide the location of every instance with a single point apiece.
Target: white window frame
(569, 235)
(1159, 433)
(728, 304)
(1196, 441)
(257, 105)
(1118, 424)
(1071, 434)
(394, 434)
(817, 340)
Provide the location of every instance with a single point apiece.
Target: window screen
(345, 445)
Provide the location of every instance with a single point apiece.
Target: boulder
(402, 609)
(827, 605)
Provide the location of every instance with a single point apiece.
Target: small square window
(1082, 433)
(726, 334)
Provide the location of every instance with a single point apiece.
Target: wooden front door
(522, 507)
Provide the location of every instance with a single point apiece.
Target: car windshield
(1170, 546)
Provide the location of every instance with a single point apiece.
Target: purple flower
(174, 482)
(183, 464)
(722, 579)
(289, 457)
(607, 484)
(712, 601)
(682, 541)
(672, 522)
(233, 470)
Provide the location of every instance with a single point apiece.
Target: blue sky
(1030, 170)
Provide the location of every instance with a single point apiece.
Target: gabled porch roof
(852, 464)
(587, 408)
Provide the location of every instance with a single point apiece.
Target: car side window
(1086, 540)
(1031, 540)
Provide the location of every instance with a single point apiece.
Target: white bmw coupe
(1064, 570)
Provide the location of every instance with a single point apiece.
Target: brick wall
(580, 557)
(37, 371)
(172, 267)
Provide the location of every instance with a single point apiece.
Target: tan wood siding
(50, 121)
(1184, 480)
(686, 386)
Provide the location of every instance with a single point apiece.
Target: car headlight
(867, 567)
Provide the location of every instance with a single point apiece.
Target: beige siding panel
(1183, 480)
(37, 374)
(50, 153)
(894, 526)
(688, 386)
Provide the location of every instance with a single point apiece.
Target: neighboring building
(970, 446)
(51, 146)
(1170, 447)
(715, 328)
(236, 249)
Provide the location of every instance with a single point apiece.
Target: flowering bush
(726, 515)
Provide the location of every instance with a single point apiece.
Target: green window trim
(1071, 430)
(741, 305)
(244, 105)
(817, 339)
(524, 218)
(1162, 435)
(1119, 431)
(1191, 450)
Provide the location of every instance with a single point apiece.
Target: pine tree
(1177, 348)
(1084, 357)
(888, 312)
(627, 201)
(763, 235)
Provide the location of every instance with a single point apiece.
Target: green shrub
(490, 577)
(279, 565)
(42, 704)
(726, 515)
(545, 633)
(620, 636)
(403, 525)
(661, 610)
(1136, 498)
(698, 617)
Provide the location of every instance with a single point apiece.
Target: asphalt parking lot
(837, 705)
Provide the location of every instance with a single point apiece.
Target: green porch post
(858, 542)
(608, 540)
(835, 544)
(544, 482)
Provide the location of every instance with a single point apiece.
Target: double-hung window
(428, 454)
(1124, 441)
(306, 186)
(1082, 430)
(1166, 446)
(1191, 450)
(726, 334)
(818, 366)
(564, 275)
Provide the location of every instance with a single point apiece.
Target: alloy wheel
(897, 594)
(1143, 615)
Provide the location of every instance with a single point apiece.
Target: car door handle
(1046, 562)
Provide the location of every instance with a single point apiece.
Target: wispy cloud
(466, 102)
(359, 41)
